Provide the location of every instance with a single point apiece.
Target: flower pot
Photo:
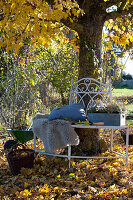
(109, 119)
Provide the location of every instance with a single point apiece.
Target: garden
(44, 45)
(86, 179)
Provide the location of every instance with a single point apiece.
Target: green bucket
(21, 135)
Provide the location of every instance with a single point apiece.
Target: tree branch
(82, 3)
(113, 2)
(122, 6)
(115, 14)
(74, 25)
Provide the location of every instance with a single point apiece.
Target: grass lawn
(119, 92)
(123, 94)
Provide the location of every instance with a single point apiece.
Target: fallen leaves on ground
(98, 179)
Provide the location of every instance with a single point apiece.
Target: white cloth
(55, 134)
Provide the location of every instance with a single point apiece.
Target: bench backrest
(88, 90)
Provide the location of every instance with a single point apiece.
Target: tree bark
(91, 143)
(89, 28)
(90, 49)
(89, 63)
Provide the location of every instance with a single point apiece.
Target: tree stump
(91, 143)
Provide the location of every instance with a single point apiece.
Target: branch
(115, 14)
(83, 3)
(74, 25)
(113, 2)
(122, 6)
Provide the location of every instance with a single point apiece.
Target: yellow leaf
(59, 176)
(29, 171)
(24, 194)
(125, 102)
(25, 184)
(44, 190)
(124, 191)
(115, 27)
(72, 175)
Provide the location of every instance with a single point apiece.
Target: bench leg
(69, 156)
(111, 140)
(127, 142)
(34, 142)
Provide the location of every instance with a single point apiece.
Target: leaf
(23, 194)
(59, 176)
(44, 190)
(72, 175)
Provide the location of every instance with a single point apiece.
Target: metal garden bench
(88, 90)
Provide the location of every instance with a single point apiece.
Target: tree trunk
(91, 143)
(90, 49)
(43, 92)
(89, 63)
(89, 28)
(63, 100)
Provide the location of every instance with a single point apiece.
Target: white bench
(91, 89)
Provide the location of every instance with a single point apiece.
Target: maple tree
(43, 21)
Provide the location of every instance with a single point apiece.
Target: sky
(129, 65)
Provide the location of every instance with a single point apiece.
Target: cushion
(74, 112)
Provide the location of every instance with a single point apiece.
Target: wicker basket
(18, 158)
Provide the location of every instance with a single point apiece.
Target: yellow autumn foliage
(51, 179)
(120, 32)
(35, 19)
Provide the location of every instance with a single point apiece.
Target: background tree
(18, 96)
(37, 80)
(43, 21)
(58, 65)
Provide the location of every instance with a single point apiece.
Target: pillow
(74, 112)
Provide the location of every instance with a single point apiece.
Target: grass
(129, 122)
(130, 109)
(119, 92)
(123, 94)
(122, 91)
